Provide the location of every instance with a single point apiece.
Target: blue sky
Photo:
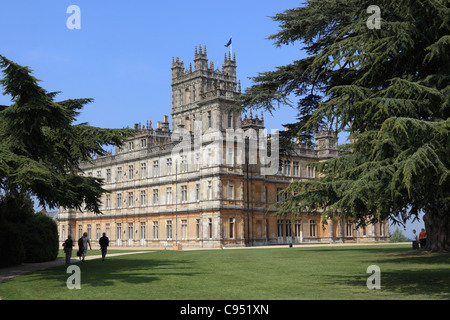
(122, 54)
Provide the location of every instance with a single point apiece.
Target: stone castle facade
(187, 187)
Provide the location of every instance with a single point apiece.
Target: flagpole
(231, 46)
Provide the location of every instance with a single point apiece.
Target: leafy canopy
(388, 88)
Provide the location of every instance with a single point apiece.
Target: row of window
(285, 228)
(134, 200)
(129, 173)
(129, 231)
(294, 170)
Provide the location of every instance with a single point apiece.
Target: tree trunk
(437, 226)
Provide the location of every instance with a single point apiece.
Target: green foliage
(398, 236)
(12, 250)
(24, 234)
(389, 89)
(41, 148)
(40, 238)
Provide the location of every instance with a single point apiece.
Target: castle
(187, 187)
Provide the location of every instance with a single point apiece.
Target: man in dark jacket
(68, 246)
(104, 243)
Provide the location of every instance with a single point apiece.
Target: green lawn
(253, 274)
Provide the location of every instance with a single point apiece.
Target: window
(143, 231)
(312, 228)
(97, 231)
(108, 175)
(155, 230)
(349, 229)
(296, 168)
(131, 145)
(80, 231)
(209, 160)
(197, 228)
(156, 168)
(99, 173)
(231, 228)
(169, 165)
(143, 143)
(130, 172)
(155, 196)
(119, 200)
(297, 228)
(279, 194)
(230, 120)
(280, 228)
(287, 168)
(210, 228)
(310, 171)
(130, 231)
(230, 159)
(108, 201)
(119, 174)
(169, 196)
(197, 192)
(197, 160)
(288, 228)
(63, 232)
(89, 231)
(230, 190)
(183, 193)
(184, 164)
(108, 230)
(209, 190)
(143, 198)
(130, 199)
(184, 229)
(119, 231)
(169, 229)
(143, 170)
(209, 119)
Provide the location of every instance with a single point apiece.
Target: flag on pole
(229, 44)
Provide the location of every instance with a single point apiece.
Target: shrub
(12, 251)
(40, 238)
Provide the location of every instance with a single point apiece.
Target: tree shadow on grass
(404, 284)
(96, 273)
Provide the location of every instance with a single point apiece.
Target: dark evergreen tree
(389, 89)
(41, 147)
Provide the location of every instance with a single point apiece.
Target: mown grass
(252, 274)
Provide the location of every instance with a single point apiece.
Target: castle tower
(326, 142)
(204, 93)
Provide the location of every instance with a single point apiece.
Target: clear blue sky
(122, 54)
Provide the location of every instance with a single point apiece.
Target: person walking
(68, 246)
(422, 239)
(86, 241)
(104, 243)
(80, 248)
(415, 242)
